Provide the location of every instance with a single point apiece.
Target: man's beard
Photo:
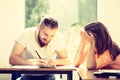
(40, 42)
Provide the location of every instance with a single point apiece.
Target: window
(69, 12)
(33, 11)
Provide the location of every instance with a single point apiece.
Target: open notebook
(59, 67)
(107, 73)
(26, 66)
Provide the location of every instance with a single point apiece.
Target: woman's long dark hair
(102, 38)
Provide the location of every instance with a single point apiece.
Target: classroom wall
(109, 14)
(11, 23)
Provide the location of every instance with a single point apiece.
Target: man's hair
(49, 22)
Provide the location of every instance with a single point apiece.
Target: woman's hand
(86, 37)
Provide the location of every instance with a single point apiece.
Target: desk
(58, 70)
(88, 75)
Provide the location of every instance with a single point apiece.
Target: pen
(38, 54)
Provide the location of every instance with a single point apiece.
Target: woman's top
(102, 61)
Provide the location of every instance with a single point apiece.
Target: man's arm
(16, 59)
(62, 58)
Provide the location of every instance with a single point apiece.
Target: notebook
(26, 66)
(107, 73)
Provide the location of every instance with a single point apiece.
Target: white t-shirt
(27, 39)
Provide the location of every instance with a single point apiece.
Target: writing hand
(51, 62)
(37, 62)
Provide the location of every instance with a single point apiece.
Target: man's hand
(43, 62)
(37, 62)
(51, 62)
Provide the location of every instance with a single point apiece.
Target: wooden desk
(58, 70)
(89, 75)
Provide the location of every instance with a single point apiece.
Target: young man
(35, 44)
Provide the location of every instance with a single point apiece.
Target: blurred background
(16, 15)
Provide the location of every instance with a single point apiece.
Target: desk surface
(27, 69)
(37, 70)
(89, 75)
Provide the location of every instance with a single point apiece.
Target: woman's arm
(79, 54)
(91, 62)
(97, 62)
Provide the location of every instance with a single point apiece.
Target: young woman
(97, 48)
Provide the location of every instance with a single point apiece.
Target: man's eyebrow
(45, 33)
(48, 34)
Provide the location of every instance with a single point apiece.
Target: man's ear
(38, 27)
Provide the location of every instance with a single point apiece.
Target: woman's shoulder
(105, 53)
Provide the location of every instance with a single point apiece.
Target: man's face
(46, 34)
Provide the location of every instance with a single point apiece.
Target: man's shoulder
(58, 35)
(58, 41)
(29, 30)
